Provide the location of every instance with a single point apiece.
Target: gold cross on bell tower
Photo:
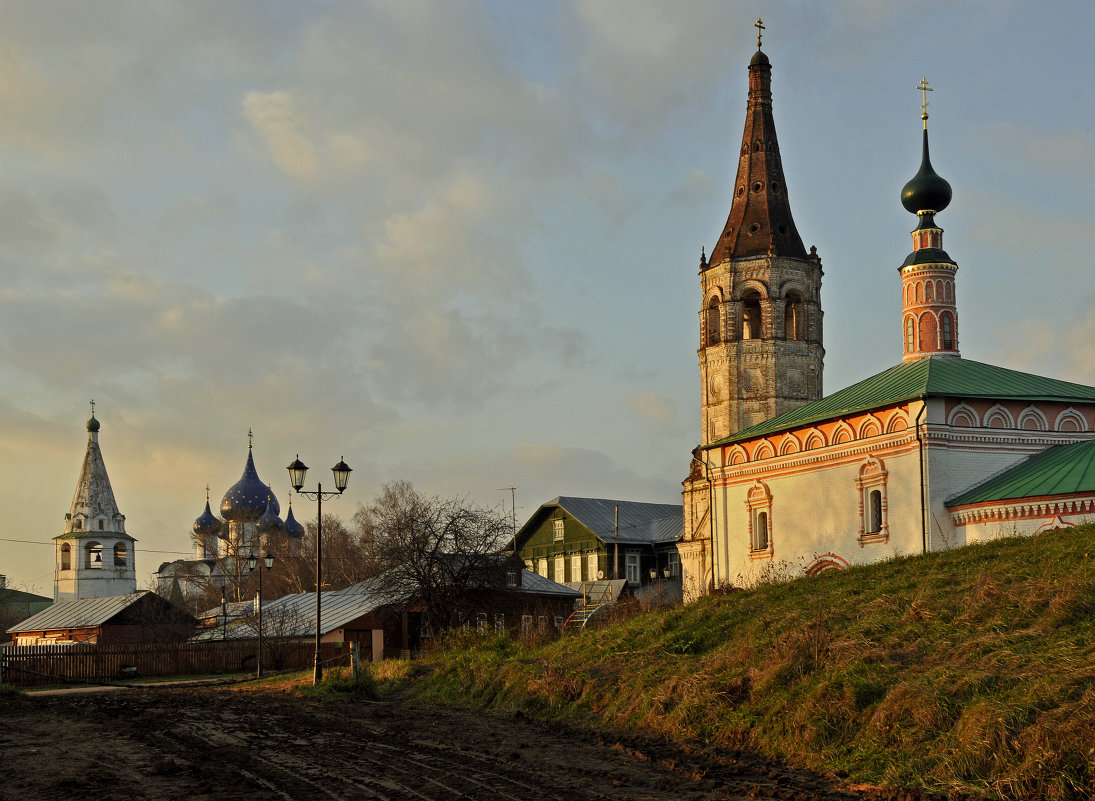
(924, 89)
(760, 29)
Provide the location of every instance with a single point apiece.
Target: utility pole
(513, 513)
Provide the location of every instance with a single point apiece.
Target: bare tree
(437, 554)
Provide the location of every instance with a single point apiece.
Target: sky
(456, 242)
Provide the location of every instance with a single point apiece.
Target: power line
(39, 542)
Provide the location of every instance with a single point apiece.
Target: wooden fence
(37, 665)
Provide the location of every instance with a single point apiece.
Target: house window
(871, 486)
(79, 524)
(511, 578)
(759, 505)
(559, 621)
(66, 557)
(94, 556)
(632, 563)
(526, 624)
(481, 621)
(576, 567)
(560, 570)
(119, 555)
(674, 564)
(500, 621)
(557, 530)
(100, 525)
(591, 566)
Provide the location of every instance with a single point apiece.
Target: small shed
(139, 617)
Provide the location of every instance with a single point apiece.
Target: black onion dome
(927, 191)
(270, 523)
(208, 525)
(92, 425)
(292, 527)
(246, 500)
(759, 58)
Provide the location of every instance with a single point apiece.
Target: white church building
(933, 453)
(93, 558)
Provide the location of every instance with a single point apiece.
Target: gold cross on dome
(760, 29)
(924, 89)
(249, 438)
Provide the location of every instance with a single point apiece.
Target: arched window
(948, 335)
(66, 556)
(949, 291)
(100, 525)
(750, 316)
(875, 523)
(94, 556)
(760, 532)
(119, 555)
(918, 291)
(792, 323)
(714, 329)
(910, 335)
(929, 292)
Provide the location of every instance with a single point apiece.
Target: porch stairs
(597, 597)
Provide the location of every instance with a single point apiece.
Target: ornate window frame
(872, 479)
(758, 504)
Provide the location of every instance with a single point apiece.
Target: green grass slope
(972, 669)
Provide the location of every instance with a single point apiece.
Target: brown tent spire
(760, 220)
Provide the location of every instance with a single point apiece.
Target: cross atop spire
(250, 437)
(92, 407)
(924, 89)
(760, 29)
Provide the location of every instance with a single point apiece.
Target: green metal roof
(1061, 470)
(931, 376)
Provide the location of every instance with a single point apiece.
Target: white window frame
(560, 570)
(592, 566)
(558, 529)
(673, 562)
(542, 566)
(872, 477)
(632, 562)
(757, 503)
(576, 567)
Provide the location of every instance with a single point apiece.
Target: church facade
(934, 453)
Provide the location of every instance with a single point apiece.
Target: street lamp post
(297, 471)
(252, 561)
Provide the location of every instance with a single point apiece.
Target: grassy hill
(972, 669)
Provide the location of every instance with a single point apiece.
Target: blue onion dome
(246, 500)
(926, 191)
(92, 424)
(208, 525)
(270, 523)
(293, 528)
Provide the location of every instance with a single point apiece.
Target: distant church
(249, 522)
(93, 558)
(934, 453)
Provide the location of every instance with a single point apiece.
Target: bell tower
(94, 555)
(760, 327)
(760, 350)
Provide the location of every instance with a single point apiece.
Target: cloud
(273, 116)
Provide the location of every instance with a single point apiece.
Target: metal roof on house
(639, 523)
(1060, 470)
(931, 376)
(78, 613)
(535, 584)
(295, 615)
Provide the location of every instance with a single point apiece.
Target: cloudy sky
(456, 242)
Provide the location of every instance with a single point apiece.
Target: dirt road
(223, 745)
